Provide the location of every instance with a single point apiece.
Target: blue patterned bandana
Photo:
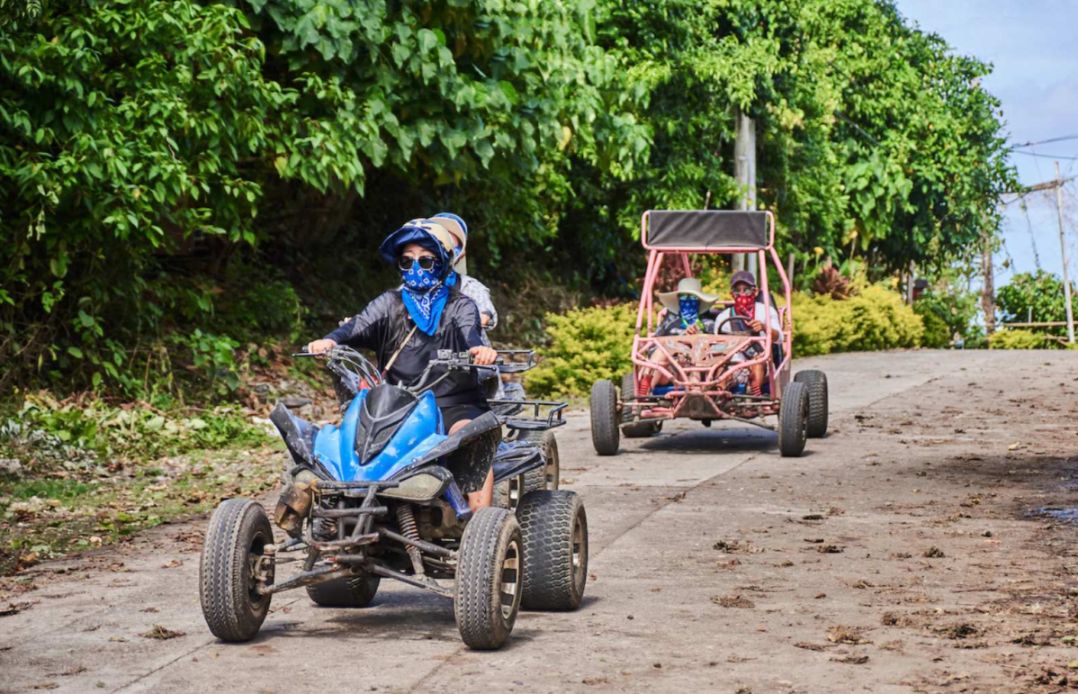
(424, 296)
(689, 307)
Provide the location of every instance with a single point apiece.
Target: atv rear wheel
(508, 492)
(817, 390)
(550, 476)
(488, 578)
(353, 591)
(793, 419)
(605, 435)
(231, 553)
(554, 526)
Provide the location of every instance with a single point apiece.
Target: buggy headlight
(422, 487)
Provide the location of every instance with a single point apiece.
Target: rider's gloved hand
(321, 346)
(484, 356)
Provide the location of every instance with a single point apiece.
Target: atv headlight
(422, 487)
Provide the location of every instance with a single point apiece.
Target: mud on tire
(488, 578)
(237, 534)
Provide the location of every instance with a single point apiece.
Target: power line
(1044, 156)
(1062, 138)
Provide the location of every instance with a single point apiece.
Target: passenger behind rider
(407, 326)
(469, 286)
(749, 315)
(685, 308)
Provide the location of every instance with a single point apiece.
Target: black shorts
(471, 464)
(451, 414)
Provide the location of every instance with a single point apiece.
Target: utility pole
(745, 173)
(988, 291)
(1063, 256)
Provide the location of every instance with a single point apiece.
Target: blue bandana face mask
(420, 280)
(689, 307)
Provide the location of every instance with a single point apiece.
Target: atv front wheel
(817, 390)
(488, 578)
(231, 554)
(352, 591)
(555, 531)
(605, 435)
(793, 419)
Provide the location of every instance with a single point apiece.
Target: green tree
(1034, 296)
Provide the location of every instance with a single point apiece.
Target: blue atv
(374, 498)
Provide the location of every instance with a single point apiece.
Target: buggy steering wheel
(728, 319)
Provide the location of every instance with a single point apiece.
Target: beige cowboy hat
(688, 285)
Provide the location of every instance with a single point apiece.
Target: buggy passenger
(686, 307)
(748, 315)
(407, 326)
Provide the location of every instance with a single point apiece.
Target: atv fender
(298, 434)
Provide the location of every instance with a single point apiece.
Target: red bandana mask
(745, 305)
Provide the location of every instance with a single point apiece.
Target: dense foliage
(182, 178)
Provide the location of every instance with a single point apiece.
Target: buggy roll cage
(680, 233)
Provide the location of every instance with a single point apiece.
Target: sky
(1033, 47)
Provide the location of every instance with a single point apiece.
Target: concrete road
(921, 546)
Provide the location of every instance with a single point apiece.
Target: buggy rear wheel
(816, 381)
(793, 419)
(554, 526)
(352, 591)
(605, 435)
(489, 578)
(235, 543)
(508, 492)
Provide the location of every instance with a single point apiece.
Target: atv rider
(749, 315)
(685, 307)
(406, 327)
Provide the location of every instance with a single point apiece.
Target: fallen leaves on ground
(162, 633)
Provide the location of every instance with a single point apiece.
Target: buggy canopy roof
(706, 230)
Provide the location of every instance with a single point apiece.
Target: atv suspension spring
(408, 528)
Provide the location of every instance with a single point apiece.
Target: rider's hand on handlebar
(321, 346)
(692, 329)
(483, 356)
(757, 326)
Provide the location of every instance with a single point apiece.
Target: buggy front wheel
(605, 435)
(489, 568)
(232, 553)
(816, 381)
(793, 419)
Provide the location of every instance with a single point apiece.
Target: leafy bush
(874, 319)
(48, 430)
(585, 345)
(1021, 339)
(946, 314)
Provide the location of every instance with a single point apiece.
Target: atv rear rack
(510, 414)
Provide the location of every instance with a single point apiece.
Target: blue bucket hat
(427, 234)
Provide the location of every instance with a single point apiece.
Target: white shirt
(770, 318)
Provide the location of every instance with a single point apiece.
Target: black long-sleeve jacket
(383, 325)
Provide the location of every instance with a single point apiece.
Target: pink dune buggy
(701, 372)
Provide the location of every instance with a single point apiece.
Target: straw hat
(688, 285)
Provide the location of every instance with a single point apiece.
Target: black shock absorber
(408, 528)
